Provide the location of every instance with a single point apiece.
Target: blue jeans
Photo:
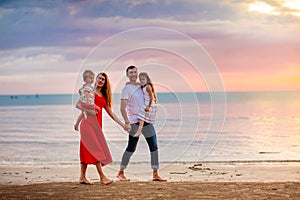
(150, 136)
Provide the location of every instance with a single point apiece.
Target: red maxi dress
(93, 146)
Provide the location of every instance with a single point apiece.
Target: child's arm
(149, 90)
(86, 97)
(87, 92)
(79, 118)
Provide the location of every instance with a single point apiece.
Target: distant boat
(13, 97)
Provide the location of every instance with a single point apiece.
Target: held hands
(127, 127)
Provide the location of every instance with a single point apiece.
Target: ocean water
(249, 126)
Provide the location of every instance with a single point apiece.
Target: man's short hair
(130, 67)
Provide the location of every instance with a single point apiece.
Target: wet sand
(154, 190)
(185, 181)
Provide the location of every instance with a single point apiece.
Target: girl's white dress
(150, 116)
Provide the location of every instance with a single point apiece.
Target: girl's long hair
(149, 82)
(106, 89)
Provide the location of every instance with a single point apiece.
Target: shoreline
(232, 171)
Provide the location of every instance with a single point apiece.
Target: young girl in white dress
(149, 109)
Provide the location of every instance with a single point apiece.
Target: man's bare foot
(158, 178)
(122, 177)
(84, 181)
(106, 181)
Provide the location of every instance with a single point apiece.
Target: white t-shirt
(135, 97)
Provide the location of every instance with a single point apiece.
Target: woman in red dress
(93, 146)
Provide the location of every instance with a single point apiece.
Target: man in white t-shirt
(132, 100)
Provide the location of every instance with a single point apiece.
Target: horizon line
(250, 91)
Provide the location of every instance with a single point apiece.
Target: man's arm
(123, 109)
(124, 114)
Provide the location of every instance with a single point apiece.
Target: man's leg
(150, 135)
(131, 146)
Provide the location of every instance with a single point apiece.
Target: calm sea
(251, 126)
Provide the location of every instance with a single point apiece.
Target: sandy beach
(208, 180)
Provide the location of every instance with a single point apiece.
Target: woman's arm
(113, 116)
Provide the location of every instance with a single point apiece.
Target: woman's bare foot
(84, 181)
(122, 177)
(106, 181)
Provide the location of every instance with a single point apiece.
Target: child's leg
(86, 106)
(139, 131)
(78, 122)
(84, 115)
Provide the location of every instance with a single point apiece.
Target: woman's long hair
(106, 89)
(149, 82)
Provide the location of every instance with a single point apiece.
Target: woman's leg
(103, 178)
(83, 179)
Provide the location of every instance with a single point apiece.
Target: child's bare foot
(138, 133)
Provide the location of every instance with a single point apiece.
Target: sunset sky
(255, 45)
